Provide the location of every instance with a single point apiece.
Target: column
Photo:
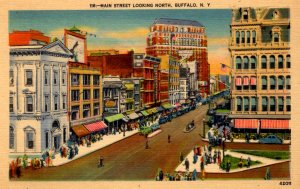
(38, 87)
(51, 88)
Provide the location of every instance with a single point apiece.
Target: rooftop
(171, 21)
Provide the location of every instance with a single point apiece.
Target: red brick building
(176, 34)
(164, 86)
(31, 37)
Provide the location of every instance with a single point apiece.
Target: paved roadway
(129, 160)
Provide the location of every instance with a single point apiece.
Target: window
(238, 62)
(280, 82)
(75, 95)
(86, 79)
(280, 61)
(29, 104)
(106, 92)
(276, 37)
(239, 104)
(46, 103)
(272, 62)
(288, 82)
(63, 78)
(29, 137)
(74, 112)
(55, 77)
(11, 77)
(272, 82)
(288, 103)
(272, 104)
(253, 62)
(96, 80)
(96, 93)
(246, 83)
(114, 92)
(11, 137)
(264, 104)
(246, 104)
(288, 61)
(243, 37)
(263, 62)
(28, 77)
(86, 110)
(245, 15)
(86, 94)
(55, 102)
(75, 79)
(280, 103)
(46, 77)
(248, 36)
(96, 109)
(253, 103)
(264, 83)
(64, 102)
(253, 83)
(46, 139)
(253, 37)
(11, 104)
(246, 62)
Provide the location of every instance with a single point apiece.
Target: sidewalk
(244, 141)
(214, 168)
(84, 150)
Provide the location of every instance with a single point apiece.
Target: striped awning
(246, 123)
(245, 81)
(97, 126)
(274, 124)
(238, 81)
(167, 105)
(145, 113)
(159, 109)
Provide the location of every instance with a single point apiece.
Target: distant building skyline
(127, 30)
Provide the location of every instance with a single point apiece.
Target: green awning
(129, 86)
(114, 118)
(145, 113)
(167, 106)
(149, 111)
(129, 100)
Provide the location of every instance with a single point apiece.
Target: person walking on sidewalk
(146, 146)
(187, 164)
(169, 138)
(101, 159)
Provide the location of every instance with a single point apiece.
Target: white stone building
(38, 98)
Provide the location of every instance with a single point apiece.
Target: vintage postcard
(138, 94)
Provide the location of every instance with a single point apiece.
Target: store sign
(76, 46)
(110, 103)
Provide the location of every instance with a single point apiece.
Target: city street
(129, 160)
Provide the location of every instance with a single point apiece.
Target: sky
(127, 29)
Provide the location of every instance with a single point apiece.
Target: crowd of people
(177, 176)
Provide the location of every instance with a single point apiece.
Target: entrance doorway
(56, 140)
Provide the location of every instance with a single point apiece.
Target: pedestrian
(169, 138)
(248, 162)
(146, 146)
(181, 157)
(268, 174)
(187, 164)
(101, 162)
(161, 175)
(228, 165)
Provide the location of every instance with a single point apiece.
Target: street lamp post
(203, 128)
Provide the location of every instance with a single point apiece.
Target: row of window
(29, 77)
(181, 41)
(29, 104)
(245, 37)
(86, 79)
(86, 111)
(245, 63)
(177, 29)
(29, 134)
(267, 103)
(75, 94)
(279, 83)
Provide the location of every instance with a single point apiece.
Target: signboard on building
(75, 42)
(111, 106)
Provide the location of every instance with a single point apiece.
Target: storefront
(114, 122)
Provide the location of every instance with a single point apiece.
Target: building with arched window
(260, 53)
(38, 97)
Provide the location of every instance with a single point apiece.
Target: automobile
(271, 139)
(211, 112)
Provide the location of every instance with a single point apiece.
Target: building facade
(170, 36)
(38, 98)
(261, 78)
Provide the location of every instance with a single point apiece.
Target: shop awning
(97, 126)
(149, 111)
(114, 118)
(125, 118)
(152, 110)
(129, 86)
(167, 106)
(133, 116)
(274, 124)
(140, 114)
(159, 109)
(144, 112)
(246, 123)
(177, 104)
(80, 130)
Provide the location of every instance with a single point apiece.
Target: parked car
(211, 112)
(271, 139)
